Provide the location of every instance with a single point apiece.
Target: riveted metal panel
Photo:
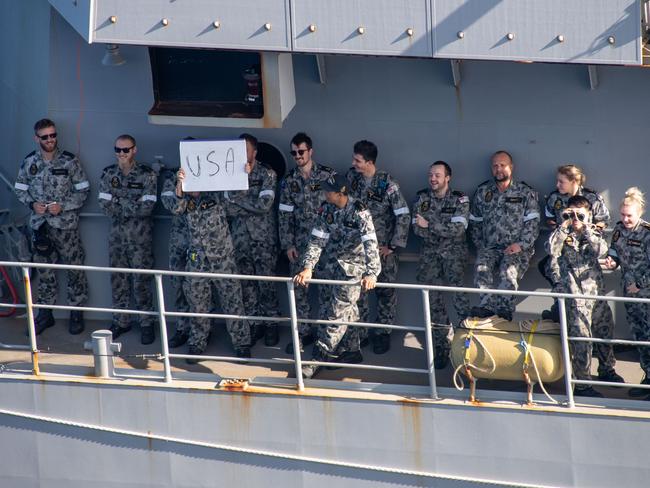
(593, 31)
(393, 27)
(242, 24)
(78, 14)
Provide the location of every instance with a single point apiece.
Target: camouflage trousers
(125, 253)
(510, 268)
(638, 318)
(579, 316)
(67, 250)
(386, 297)
(199, 295)
(602, 327)
(339, 302)
(178, 262)
(258, 258)
(437, 269)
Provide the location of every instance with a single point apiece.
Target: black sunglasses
(570, 215)
(47, 136)
(299, 152)
(124, 150)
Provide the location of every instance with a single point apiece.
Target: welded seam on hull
(259, 452)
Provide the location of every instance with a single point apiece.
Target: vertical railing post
(566, 355)
(30, 320)
(163, 327)
(428, 339)
(291, 293)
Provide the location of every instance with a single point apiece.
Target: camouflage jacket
(349, 236)
(557, 202)
(447, 217)
(61, 180)
(498, 219)
(130, 198)
(299, 204)
(207, 226)
(253, 208)
(630, 248)
(577, 256)
(384, 199)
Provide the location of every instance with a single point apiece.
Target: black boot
(308, 371)
(76, 325)
(44, 319)
(304, 341)
(178, 339)
(147, 335)
(271, 335)
(380, 343)
(117, 331)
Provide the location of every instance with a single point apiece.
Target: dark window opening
(206, 83)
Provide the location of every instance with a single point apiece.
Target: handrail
(293, 321)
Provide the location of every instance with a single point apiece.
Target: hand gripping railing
(293, 321)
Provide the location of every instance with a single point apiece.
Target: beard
(501, 178)
(47, 146)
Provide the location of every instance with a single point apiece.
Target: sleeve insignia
(294, 187)
(191, 205)
(33, 169)
(558, 204)
(425, 206)
(115, 182)
(488, 196)
(569, 241)
(616, 235)
(329, 219)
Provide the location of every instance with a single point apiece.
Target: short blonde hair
(573, 173)
(634, 196)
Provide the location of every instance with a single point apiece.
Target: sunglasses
(574, 215)
(299, 152)
(47, 136)
(124, 150)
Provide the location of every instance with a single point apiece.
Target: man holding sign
(252, 226)
(210, 250)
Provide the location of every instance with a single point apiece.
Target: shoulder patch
(423, 191)
(327, 169)
(107, 168)
(147, 169)
(588, 190)
(68, 154)
(646, 225)
(457, 193)
(359, 205)
(486, 182)
(526, 185)
(30, 154)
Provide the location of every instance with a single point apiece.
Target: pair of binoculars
(574, 215)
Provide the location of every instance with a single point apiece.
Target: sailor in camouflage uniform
(178, 245)
(301, 196)
(252, 225)
(210, 250)
(577, 245)
(346, 232)
(52, 183)
(570, 181)
(127, 195)
(504, 223)
(390, 213)
(630, 249)
(441, 219)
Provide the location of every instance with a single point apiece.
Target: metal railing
(162, 313)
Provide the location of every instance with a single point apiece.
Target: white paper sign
(214, 165)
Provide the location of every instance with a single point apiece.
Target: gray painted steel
(425, 28)
(510, 445)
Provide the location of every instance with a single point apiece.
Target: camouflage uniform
(497, 220)
(178, 245)
(61, 180)
(602, 324)
(252, 226)
(577, 256)
(631, 250)
(297, 215)
(210, 250)
(443, 256)
(128, 201)
(390, 215)
(348, 237)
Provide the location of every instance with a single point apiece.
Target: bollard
(102, 346)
